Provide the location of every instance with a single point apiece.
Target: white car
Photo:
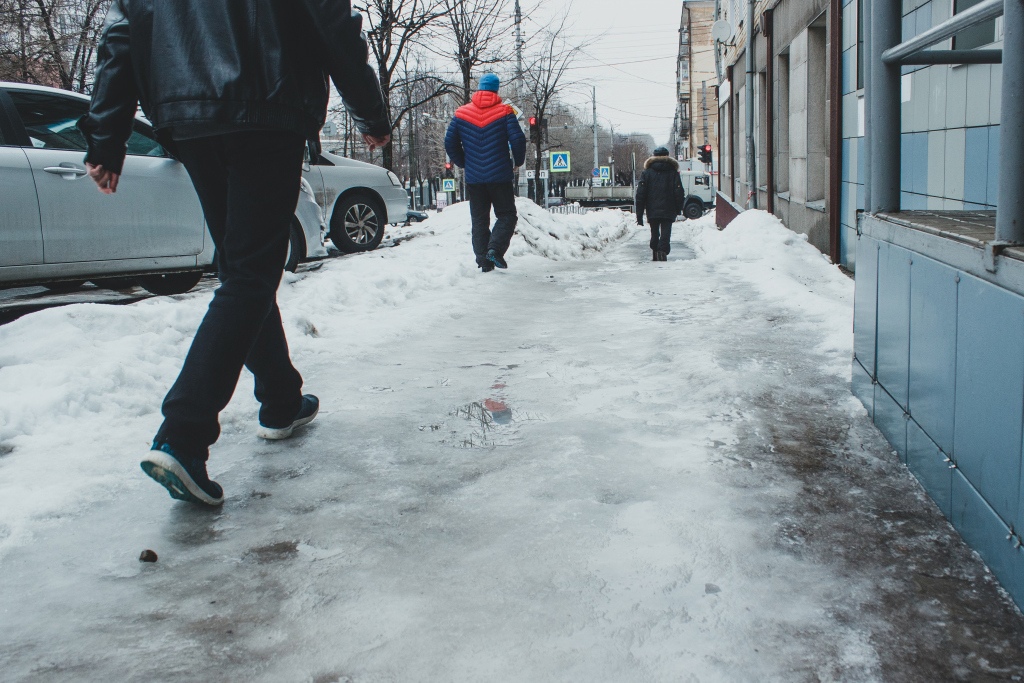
(357, 199)
(57, 230)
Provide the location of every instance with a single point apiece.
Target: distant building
(696, 117)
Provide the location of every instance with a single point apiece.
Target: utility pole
(611, 161)
(519, 47)
(597, 160)
(751, 151)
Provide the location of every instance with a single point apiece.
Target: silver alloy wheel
(361, 224)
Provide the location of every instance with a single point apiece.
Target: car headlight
(395, 180)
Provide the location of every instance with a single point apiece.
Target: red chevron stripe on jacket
(484, 137)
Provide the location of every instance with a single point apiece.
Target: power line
(633, 113)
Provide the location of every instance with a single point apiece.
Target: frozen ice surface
(589, 467)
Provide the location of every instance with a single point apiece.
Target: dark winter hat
(489, 82)
(660, 152)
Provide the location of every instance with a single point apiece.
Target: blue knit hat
(489, 82)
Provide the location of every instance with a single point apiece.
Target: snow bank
(558, 237)
(758, 248)
(568, 237)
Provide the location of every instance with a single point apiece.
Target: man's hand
(374, 143)
(105, 180)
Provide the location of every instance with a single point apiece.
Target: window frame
(19, 132)
(973, 30)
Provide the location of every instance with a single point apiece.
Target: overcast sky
(632, 62)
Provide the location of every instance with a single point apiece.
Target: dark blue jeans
(248, 184)
(482, 196)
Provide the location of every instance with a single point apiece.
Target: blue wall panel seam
(956, 359)
(910, 323)
(878, 275)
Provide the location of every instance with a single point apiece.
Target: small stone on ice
(147, 556)
(710, 588)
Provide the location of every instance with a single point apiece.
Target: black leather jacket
(257, 64)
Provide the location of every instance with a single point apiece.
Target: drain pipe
(751, 150)
(768, 27)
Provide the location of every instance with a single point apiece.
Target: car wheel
(62, 287)
(693, 210)
(296, 248)
(166, 284)
(357, 224)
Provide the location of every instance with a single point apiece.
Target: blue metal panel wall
(949, 363)
(990, 393)
(930, 466)
(863, 388)
(893, 345)
(984, 531)
(865, 299)
(891, 420)
(933, 295)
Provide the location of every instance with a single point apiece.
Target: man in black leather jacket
(234, 88)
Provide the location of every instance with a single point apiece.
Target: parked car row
(57, 230)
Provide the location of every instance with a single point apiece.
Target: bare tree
(395, 26)
(546, 75)
(477, 32)
(52, 42)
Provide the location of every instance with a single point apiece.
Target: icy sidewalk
(590, 467)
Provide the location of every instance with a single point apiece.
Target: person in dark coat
(480, 138)
(660, 195)
(234, 89)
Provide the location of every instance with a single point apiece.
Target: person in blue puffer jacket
(484, 137)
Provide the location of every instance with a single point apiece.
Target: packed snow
(563, 471)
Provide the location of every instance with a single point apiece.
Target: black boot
(655, 255)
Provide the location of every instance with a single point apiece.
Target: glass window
(860, 42)
(51, 123)
(50, 119)
(977, 35)
(142, 143)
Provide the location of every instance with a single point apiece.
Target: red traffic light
(533, 120)
(707, 148)
(447, 166)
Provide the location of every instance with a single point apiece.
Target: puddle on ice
(482, 424)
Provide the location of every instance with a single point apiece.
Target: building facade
(906, 169)
(696, 118)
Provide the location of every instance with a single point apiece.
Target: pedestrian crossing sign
(448, 185)
(560, 162)
(606, 173)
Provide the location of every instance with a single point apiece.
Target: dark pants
(661, 235)
(502, 197)
(248, 184)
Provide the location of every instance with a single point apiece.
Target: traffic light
(705, 154)
(534, 129)
(447, 166)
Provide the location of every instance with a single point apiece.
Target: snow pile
(758, 248)
(570, 236)
(558, 237)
